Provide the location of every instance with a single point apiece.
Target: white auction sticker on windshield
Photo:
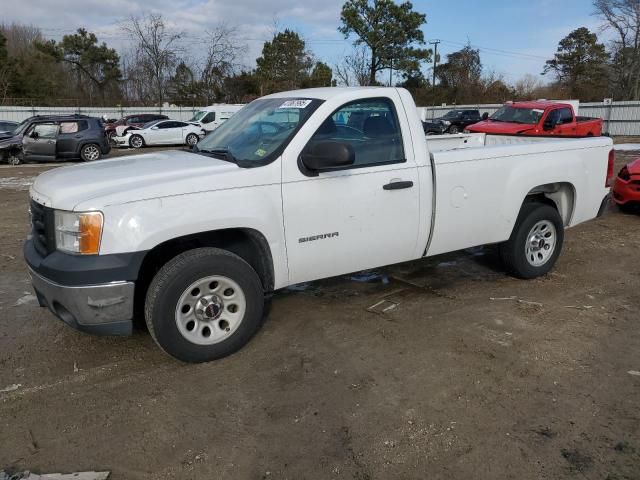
(295, 104)
(537, 110)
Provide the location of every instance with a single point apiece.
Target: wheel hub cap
(541, 243)
(210, 310)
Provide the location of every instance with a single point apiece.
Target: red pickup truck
(540, 118)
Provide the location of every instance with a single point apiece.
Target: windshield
(258, 132)
(453, 114)
(198, 116)
(530, 116)
(20, 127)
(150, 124)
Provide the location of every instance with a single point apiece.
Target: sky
(515, 37)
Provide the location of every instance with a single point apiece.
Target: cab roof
(541, 104)
(325, 93)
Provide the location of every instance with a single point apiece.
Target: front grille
(42, 228)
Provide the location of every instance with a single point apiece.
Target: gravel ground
(472, 375)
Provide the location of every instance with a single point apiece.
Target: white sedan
(160, 132)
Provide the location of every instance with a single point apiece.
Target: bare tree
(623, 18)
(156, 49)
(354, 70)
(220, 61)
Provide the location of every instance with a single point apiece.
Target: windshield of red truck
(511, 114)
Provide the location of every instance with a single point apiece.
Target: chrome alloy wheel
(210, 310)
(91, 152)
(136, 141)
(541, 243)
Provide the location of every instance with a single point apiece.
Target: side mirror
(327, 156)
(154, 128)
(34, 135)
(485, 115)
(548, 124)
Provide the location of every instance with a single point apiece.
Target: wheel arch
(559, 195)
(249, 244)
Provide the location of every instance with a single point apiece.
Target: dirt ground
(471, 375)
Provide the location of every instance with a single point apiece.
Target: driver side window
(370, 127)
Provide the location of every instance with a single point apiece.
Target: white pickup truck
(296, 186)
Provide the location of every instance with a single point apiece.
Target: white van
(211, 117)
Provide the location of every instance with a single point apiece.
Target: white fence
(620, 118)
(17, 114)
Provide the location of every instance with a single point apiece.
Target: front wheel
(204, 304)
(535, 243)
(192, 139)
(136, 141)
(90, 152)
(453, 129)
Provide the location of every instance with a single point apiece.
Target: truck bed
(475, 176)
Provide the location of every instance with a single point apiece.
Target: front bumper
(104, 309)
(626, 191)
(93, 293)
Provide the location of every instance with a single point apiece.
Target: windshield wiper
(220, 153)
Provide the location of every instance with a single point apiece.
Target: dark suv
(456, 121)
(132, 121)
(55, 137)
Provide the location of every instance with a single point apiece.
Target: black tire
(629, 208)
(513, 251)
(15, 158)
(174, 279)
(191, 139)
(111, 137)
(90, 152)
(134, 143)
(453, 129)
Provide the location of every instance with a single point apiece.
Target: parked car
(7, 126)
(199, 239)
(456, 121)
(159, 132)
(433, 128)
(138, 120)
(210, 118)
(626, 188)
(55, 137)
(539, 118)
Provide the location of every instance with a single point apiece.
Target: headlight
(446, 122)
(78, 232)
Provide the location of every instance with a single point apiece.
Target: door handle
(398, 185)
(51, 142)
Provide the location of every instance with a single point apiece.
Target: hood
(488, 126)
(94, 185)
(634, 167)
(9, 140)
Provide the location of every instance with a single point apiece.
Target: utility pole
(435, 60)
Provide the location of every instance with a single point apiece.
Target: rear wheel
(535, 243)
(204, 304)
(136, 141)
(90, 152)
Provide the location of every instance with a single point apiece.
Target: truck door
(361, 216)
(567, 126)
(39, 142)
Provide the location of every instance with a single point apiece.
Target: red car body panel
(627, 190)
(578, 127)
